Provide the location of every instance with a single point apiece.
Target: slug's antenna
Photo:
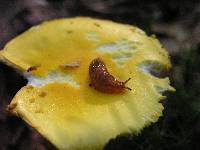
(126, 82)
(128, 88)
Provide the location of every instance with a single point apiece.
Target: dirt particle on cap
(32, 68)
(42, 94)
(39, 110)
(31, 100)
(29, 87)
(12, 106)
(69, 31)
(97, 25)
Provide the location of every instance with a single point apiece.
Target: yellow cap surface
(65, 109)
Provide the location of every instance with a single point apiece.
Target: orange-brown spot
(74, 64)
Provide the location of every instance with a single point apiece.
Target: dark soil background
(175, 22)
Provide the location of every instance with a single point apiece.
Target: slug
(102, 80)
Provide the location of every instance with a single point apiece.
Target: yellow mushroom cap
(58, 100)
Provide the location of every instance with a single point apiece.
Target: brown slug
(102, 80)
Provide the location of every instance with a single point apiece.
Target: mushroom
(70, 113)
